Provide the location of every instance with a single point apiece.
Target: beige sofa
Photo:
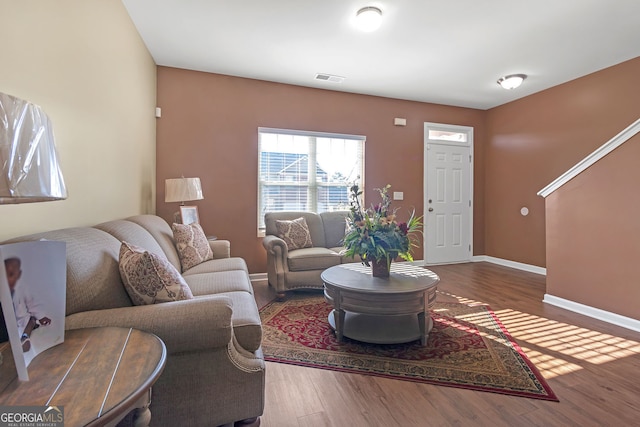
(214, 373)
(301, 268)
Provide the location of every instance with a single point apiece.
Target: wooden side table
(99, 375)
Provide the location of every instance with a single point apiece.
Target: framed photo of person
(189, 214)
(32, 294)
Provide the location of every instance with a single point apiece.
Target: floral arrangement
(374, 234)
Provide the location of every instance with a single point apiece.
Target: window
(443, 135)
(306, 171)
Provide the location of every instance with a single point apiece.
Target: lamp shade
(182, 190)
(29, 168)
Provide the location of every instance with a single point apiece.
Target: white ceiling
(443, 51)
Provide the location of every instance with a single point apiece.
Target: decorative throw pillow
(150, 278)
(193, 246)
(295, 233)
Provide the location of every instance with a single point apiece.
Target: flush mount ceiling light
(511, 81)
(369, 18)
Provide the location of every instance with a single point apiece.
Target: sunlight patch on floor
(555, 348)
(548, 365)
(460, 299)
(567, 342)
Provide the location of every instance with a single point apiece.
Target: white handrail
(602, 151)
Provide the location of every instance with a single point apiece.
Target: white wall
(86, 65)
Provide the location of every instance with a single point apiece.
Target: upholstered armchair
(297, 265)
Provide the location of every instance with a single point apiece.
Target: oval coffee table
(388, 310)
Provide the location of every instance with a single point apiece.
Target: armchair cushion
(335, 226)
(192, 244)
(295, 233)
(149, 278)
(313, 259)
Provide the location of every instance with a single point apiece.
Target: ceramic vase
(380, 268)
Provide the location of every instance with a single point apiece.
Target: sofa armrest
(245, 360)
(220, 248)
(188, 325)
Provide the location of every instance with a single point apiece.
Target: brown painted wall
(593, 234)
(209, 129)
(534, 140)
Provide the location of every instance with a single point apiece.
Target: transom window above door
(306, 171)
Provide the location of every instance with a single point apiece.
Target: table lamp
(182, 190)
(29, 168)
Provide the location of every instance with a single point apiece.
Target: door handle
(430, 209)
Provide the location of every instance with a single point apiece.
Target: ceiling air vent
(329, 78)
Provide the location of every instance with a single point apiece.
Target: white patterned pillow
(193, 246)
(295, 233)
(150, 278)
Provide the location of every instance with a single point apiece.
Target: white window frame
(312, 184)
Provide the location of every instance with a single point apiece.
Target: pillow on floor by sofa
(150, 278)
(192, 244)
(295, 233)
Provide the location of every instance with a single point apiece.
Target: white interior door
(448, 193)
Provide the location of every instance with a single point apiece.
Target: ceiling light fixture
(511, 81)
(369, 19)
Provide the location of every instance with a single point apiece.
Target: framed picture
(32, 295)
(189, 214)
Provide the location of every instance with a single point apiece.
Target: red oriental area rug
(468, 347)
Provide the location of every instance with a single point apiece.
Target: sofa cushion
(161, 231)
(93, 279)
(219, 282)
(192, 244)
(149, 278)
(312, 259)
(133, 233)
(295, 233)
(214, 265)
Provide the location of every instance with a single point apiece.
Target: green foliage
(374, 233)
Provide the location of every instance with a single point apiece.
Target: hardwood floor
(592, 366)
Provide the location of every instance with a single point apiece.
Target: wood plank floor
(592, 366)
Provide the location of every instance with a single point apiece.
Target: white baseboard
(513, 264)
(596, 313)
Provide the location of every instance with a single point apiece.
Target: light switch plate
(398, 195)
